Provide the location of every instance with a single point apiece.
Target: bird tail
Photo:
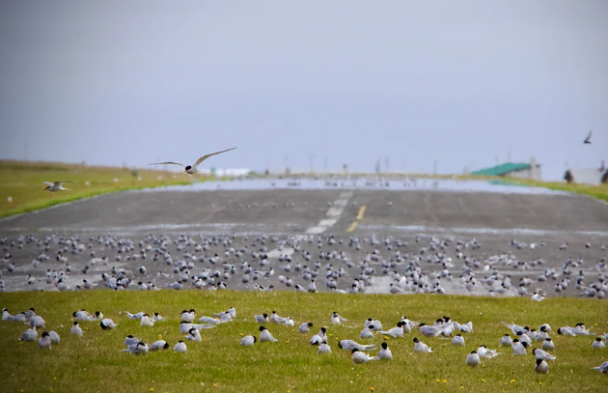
(217, 315)
(509, 325)
(369, 347)
(374, 358)
(430, 349)
(208, 320)
(129, 314)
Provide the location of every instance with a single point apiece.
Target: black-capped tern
(193, 169)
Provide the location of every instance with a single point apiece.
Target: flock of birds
(444, 327)
(312, 264)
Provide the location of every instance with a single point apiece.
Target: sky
(415, 83)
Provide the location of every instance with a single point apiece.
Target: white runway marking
(483, 231)
(334, 211)
(333, 214)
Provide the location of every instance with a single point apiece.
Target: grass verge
(218, 363)
(23, 183)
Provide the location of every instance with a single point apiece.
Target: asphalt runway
(381, 219)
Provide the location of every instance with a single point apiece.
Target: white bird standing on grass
(193, 169)
(248, 341)
(419, 346)
(324, 348)
(519, 348)
(548, 345)
(180, 347)
(458, 340)
(361, 357)
(76, 330)
(265, 335)
(29, 335)
(146, 320)
(473, 359)
(261, 318)
(159, 345)
(541, 366)
(486, 353)
(138, 349)
(396, 331)
(130, 340)
(385, 353)
(319, 338)
(540, 354)
(506, 341)
(305, 327)
(598, 344)
(107, 324)
(54, 337)
(337, 319)
(194, 335)
(349, 345)
(137, 316)
(44, 342)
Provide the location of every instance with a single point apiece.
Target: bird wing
(48, 183)
(167, 162)
(203, 158)
(589, 136)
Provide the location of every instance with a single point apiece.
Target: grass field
(95, 363)
(599, 192)
(23, 182)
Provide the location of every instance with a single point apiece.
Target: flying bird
(193, 169)
(57, 186)
(588, 139)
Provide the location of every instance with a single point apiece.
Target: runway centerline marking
(331, 217)
(333, 214)
(361, 212)
(352, 226)
(358, 219)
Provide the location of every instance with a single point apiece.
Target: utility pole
(325, 165)
(435, 167)
(387, 161)
(25, 151)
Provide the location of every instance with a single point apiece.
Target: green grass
(598, 192)
(95, 363)
(23, 182)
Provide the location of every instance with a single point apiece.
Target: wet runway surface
(420, 236)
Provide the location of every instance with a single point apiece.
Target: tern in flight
(588, 139)
(193, 169)
(57, 186)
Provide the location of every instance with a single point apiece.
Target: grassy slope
(95, 363)
(598, 192)
(23, 182)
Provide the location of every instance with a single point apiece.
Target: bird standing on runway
(193, 169)
(588, 139)
(57, 186)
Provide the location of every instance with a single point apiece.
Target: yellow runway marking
(361, 212)
(352, 226)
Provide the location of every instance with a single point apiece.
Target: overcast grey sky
(460, 82)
